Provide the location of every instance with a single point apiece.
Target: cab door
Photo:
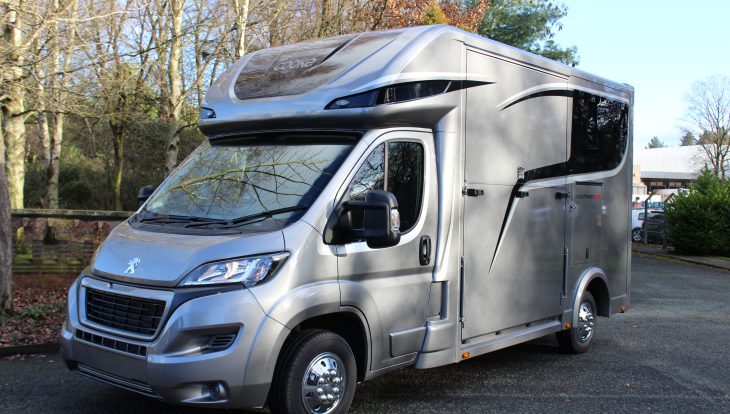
(390, 286)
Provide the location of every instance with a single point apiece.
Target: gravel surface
(669, 353)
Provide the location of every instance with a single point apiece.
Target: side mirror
(380, 224)
(144, 193)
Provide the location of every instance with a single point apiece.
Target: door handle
(424, 250)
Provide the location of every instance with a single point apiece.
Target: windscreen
(296, 69)
(233, 182)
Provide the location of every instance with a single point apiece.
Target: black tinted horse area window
(599, 133)
(404, 164)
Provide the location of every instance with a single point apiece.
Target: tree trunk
(15, 104)
(15, 138)
(54, 165)
(118, 131)
(43, 135)
(6, 293)
(241, 22)
(60, 86)
(175, 82)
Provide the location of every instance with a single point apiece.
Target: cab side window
(403, 162)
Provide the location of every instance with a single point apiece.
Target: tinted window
(370, 176)
(599, 133)
(299, 68)
(404, 179)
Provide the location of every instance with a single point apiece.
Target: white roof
(674, 162)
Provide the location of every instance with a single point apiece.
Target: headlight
(248, 270)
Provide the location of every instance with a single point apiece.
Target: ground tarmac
(669, 353)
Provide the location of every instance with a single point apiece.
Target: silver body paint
(503, 270)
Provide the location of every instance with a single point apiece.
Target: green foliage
(528, 25)
(688, 139)
(655, 143)
(35, 312)
(85, 179)
(699, 221)
(434, 15)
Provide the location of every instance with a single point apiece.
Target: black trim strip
(557, 92)
(550, 171)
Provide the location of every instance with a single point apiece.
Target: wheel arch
(594, 281)
(352, 326)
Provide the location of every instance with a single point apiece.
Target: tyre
(316, 374)
(636, 234)
(577, 340)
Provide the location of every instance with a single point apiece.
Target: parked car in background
(637, 219)
(637, 222)
(655, 226)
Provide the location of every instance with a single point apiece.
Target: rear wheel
(577, 340)
(315, 375)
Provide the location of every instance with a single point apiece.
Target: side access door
(391, 285)
(514, 200)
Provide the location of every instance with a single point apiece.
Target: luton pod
(363, 203)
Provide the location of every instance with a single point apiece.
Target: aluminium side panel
(599, 224)
(514, 232)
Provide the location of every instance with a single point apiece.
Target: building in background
(663, 171)
(667, 168)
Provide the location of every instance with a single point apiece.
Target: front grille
(126, 313)
(133, 349)
(126, 383)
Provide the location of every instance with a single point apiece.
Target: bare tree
(62, 41)
(240, 9)
(708, 117)
(6, 258)
(23, 24)
(192, 39)
(14, 48)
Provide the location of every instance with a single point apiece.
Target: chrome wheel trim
(323, 384)
(586, 322)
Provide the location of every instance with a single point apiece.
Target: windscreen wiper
(267, 214)
(250, 218)
(171, 219)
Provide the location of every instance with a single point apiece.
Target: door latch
(472, 192)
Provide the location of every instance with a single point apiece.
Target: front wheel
(577, 340)
(315, 375)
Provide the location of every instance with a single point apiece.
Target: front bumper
(178, 365)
